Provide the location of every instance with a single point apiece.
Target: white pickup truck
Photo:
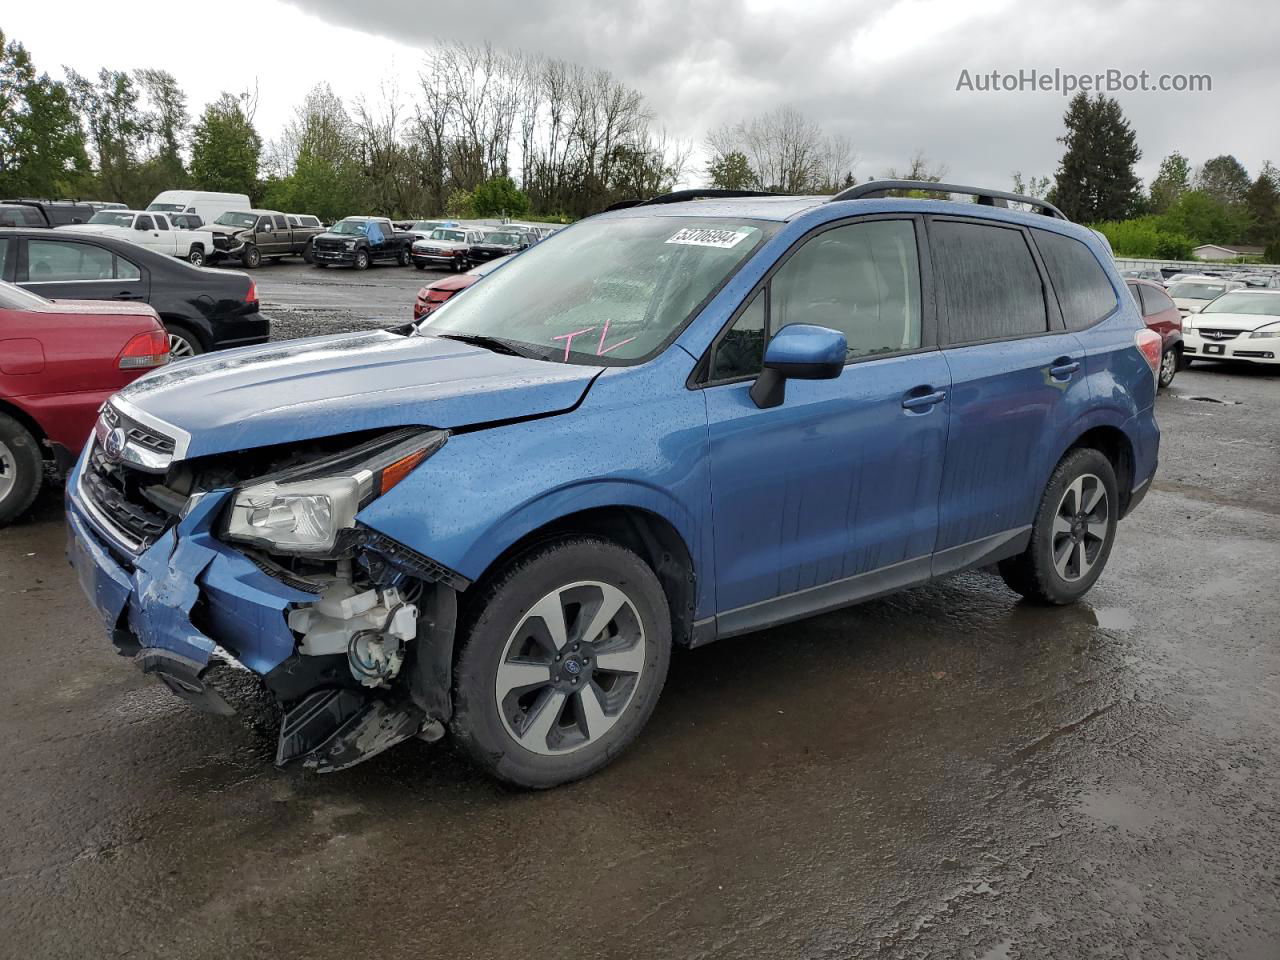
(150, 229)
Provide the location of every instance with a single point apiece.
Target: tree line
(477, 120)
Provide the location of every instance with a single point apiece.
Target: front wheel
(196, 257)
(1168, 366)
(21, 468)
(251, 258)
(562, 660)
(1073, 532)
(361, 260)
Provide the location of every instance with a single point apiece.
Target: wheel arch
(1114, 444)
(31, 424)
(186, 323)
(645, 532)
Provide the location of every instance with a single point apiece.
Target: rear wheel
(182, 342)
(251, 257)
(402, 257)
(21, 468)
(1168, 366)
(1073, 532)
(562, 664)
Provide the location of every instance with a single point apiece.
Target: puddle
(1229, 403)
(1114, 618)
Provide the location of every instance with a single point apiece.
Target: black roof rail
(707, 194)
(989, 198)
(622, 205)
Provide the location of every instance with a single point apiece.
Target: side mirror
(799, 351)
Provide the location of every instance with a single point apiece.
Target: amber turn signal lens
(395, 472)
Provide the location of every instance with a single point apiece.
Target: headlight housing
(350, 244)
(304, 511)
(1265, 332)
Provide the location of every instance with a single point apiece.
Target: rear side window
(53, 261)
(1084, 292)
(988, 283)
(1154, 301)
(281, 223)
(20, 216)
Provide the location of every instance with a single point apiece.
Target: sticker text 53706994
(708, 237)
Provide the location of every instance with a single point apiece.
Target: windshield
(457, 236)
(163, 207)
(112, 218)
(502, 239)
(233, 219)
(1253, 304)
(1197, 291)
(350, 228)
(605, 289)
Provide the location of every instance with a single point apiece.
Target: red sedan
(433, 295)
(58, 363)
(1161, 314)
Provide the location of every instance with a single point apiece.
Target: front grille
(221, 242)
(116, 491)
(329, 245)
(1213, 334)
(136, 432)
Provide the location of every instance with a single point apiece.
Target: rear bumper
(242, 331)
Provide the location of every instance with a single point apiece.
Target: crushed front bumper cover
(194, 613)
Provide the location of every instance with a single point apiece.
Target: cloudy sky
(883, 72)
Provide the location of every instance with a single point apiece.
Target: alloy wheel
(570, 668)
(8, 470)
(180, 347)
(1168, 367)
(1081, 527)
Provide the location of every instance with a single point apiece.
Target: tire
(251, 258)
(420, 266)
(511, 735)
(402, 258)
(196, 256)
(21, 469)
(361, 260)
(318, 265)
(183, 343)
(1169, 365)
(1184, 361)
(1066, 556)
(306, 253)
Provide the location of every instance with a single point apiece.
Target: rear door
(1018, 379)
(78, 269)
(833, 495)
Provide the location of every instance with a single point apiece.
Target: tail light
(252, 295)
(1149, 343)
(146, 350)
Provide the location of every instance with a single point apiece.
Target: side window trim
(930, 334)
(1053, 312)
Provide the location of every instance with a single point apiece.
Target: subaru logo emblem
(113, 446)
(572, 667)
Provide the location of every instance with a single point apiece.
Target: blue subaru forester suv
(673, 423)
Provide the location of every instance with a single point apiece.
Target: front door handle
(923, 402)
(1063, 368)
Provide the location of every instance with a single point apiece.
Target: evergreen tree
(225, 148)
(1262, 200)
(108, 107)
(41, 144)
(732, 171)
(1224, 178)
(1095, 179)
(1171, 182)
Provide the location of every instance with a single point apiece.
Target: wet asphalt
(945, 773)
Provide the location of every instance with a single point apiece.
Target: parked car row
(50, 213)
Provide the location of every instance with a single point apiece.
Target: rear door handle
(1063, 368)
(921, 402)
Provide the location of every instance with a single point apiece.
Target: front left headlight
(297, 513)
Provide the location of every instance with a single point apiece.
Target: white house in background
(1216, 251)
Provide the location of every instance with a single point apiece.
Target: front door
(833, 495)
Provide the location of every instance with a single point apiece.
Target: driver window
(264, 225)
(862, 279)
(143, 223)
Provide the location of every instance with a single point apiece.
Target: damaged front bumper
(187, 607)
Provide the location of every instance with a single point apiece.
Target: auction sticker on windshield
(709, 237)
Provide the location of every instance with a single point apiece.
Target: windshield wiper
(496, 344)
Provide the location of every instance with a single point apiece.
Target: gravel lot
(946, 773)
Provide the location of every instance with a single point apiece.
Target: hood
(1234, 321)
(1189, 304)
(498, 246)
(442, 244)
(458, 281)
(222, 230)
(93, 228)
(301, 389)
